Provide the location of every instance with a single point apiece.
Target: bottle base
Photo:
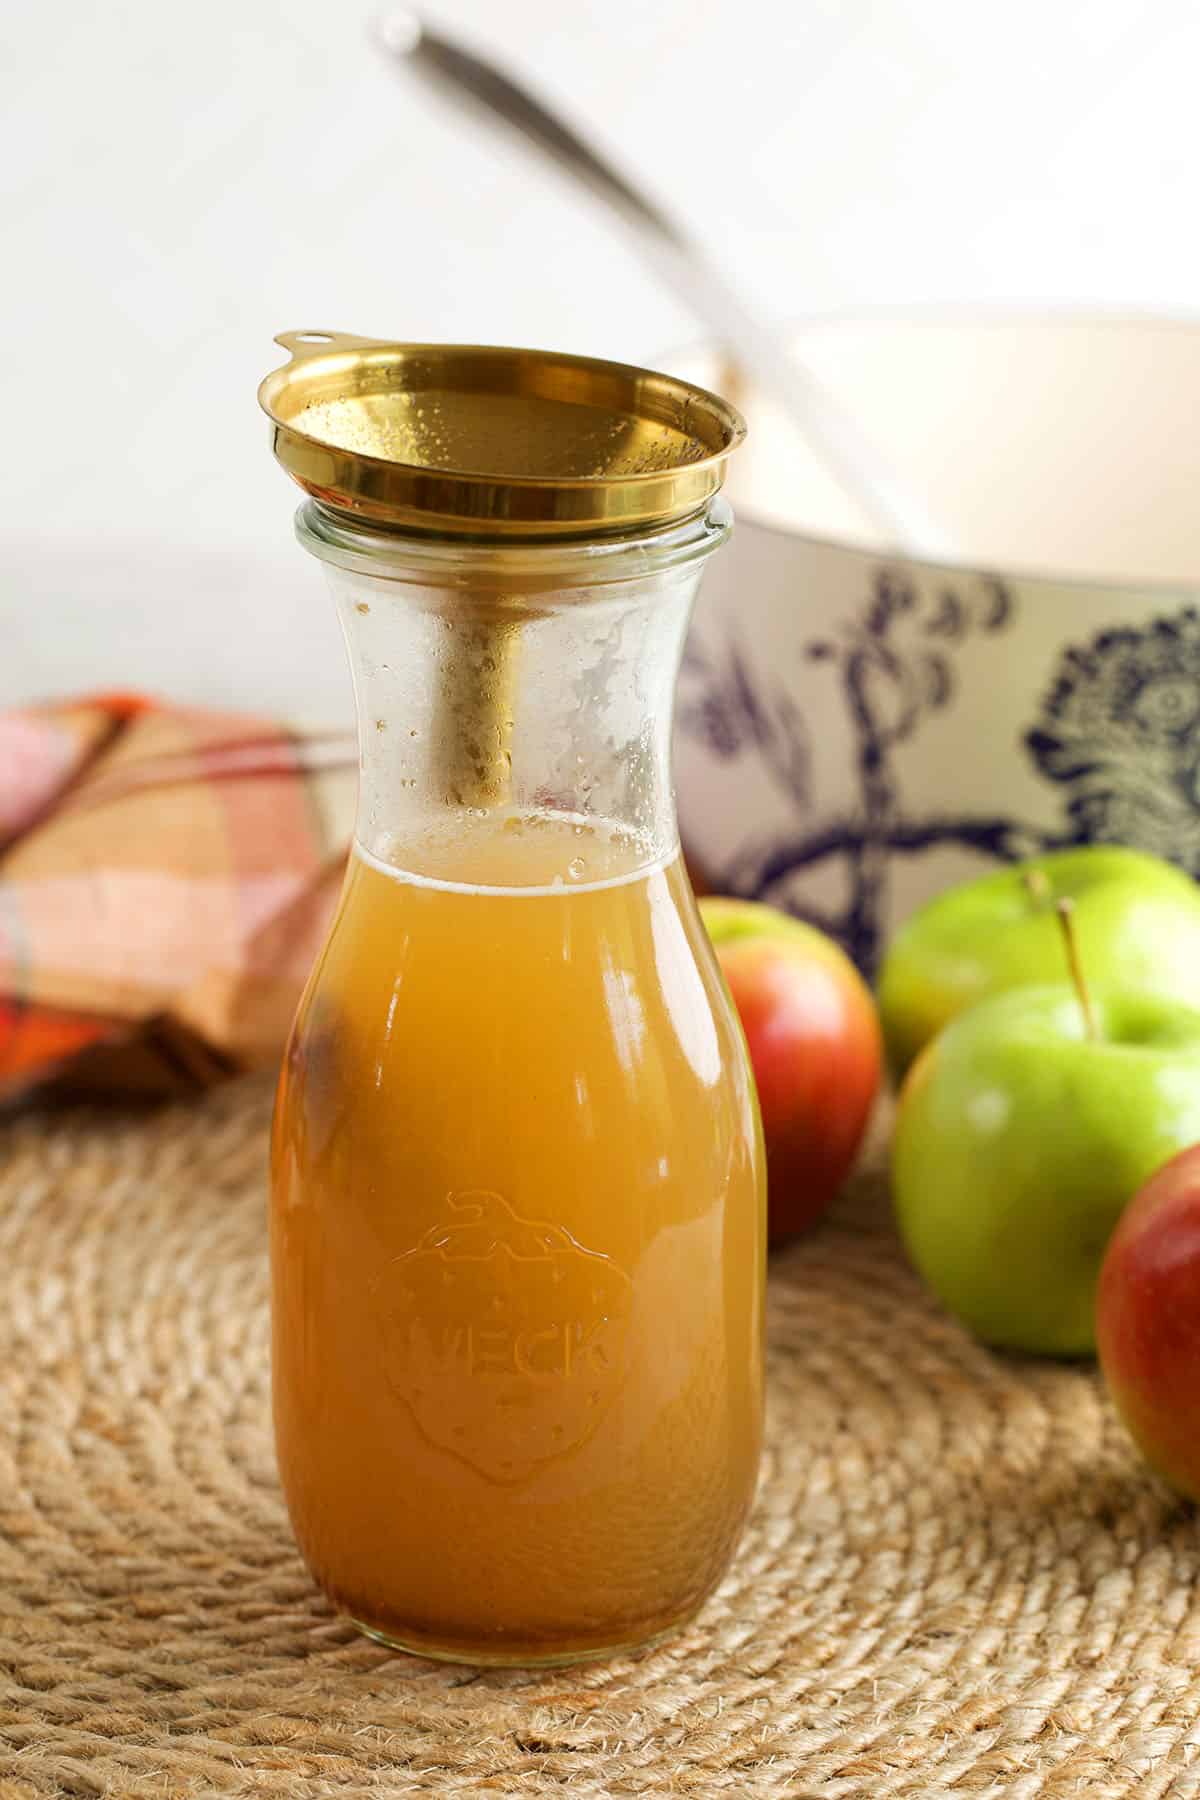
(515, 1656)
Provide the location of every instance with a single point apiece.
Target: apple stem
(1065, 909)
(1037, 885)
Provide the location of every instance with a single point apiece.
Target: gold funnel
(491, 445)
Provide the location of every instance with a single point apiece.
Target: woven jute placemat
(958, 1579)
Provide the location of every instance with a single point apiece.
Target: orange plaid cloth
(166, 877)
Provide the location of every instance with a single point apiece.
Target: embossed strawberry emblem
(506, 1337)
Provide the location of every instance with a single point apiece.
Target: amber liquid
(517, 1249)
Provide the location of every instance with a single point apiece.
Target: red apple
(1148, 1320)
(815, 1048)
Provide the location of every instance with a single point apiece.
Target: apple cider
(517, 1220)
(517, 1361)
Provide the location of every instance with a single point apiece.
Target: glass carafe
(517, 1229)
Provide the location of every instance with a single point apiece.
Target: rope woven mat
(958, 1580)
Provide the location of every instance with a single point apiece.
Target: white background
(180, 183)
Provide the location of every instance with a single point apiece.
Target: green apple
(1019, 1140)
(1137, 920)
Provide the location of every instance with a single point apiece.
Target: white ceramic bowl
(856, 730)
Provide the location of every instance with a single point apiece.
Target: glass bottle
(517, 1229)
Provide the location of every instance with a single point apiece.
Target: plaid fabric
(166, 877)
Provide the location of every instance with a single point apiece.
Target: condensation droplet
(381, 724)
(363, 608)
(576, 867)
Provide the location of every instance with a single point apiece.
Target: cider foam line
(543, 890)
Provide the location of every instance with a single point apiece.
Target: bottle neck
(513, 681)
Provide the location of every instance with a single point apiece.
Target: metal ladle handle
(855, 463)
